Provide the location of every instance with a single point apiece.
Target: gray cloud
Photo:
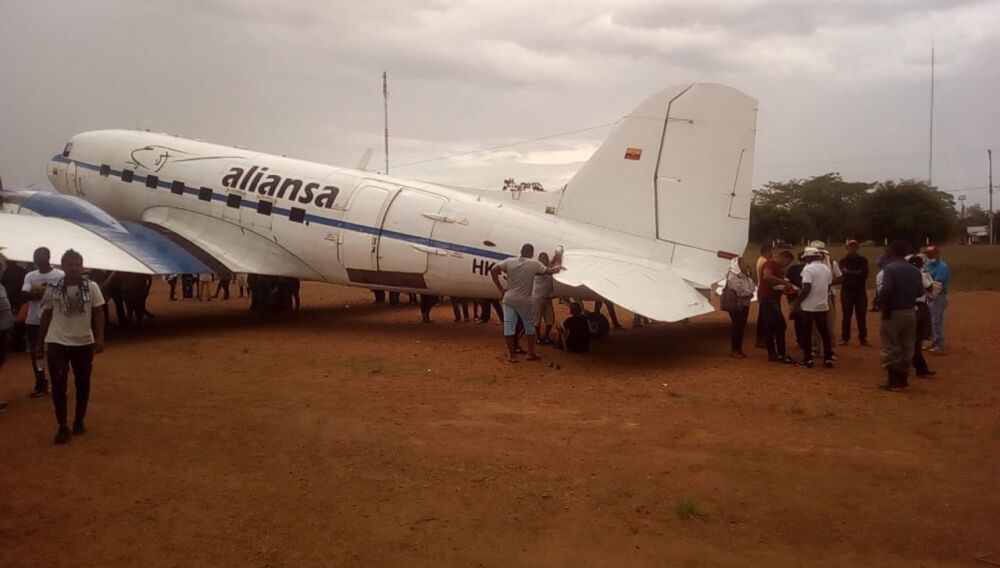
(842, 85)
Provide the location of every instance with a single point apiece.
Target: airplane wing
(238, 249)
(32, 219)
(642, 286)
(167, 241)
(20, 235)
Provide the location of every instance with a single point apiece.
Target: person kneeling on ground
(573, 335)
(72, 328)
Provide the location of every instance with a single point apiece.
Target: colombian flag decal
(633, 153)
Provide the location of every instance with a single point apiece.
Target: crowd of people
(59, 315)
(911, 294)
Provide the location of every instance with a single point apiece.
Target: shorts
(510, 317)
(542, 310)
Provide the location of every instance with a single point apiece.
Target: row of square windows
(234, 200)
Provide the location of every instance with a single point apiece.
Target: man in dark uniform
(900, 286)
(853, 293)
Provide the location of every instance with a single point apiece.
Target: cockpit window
(67, 149)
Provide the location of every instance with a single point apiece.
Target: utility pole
(989, 158)
(961, 199)
(385, 114)
(930, 154)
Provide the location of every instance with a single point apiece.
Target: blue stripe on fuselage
(311, 217)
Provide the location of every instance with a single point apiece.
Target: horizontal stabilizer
(642, 286)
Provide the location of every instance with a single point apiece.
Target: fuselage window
(151, 181)
(67, 149)
(205, 194)
(264, 207)
(127, 176)
(234, 200)
(105, 170)
(297, 215)
(177, 188)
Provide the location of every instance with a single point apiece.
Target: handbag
(728, 301)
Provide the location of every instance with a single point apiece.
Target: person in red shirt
(772, 286)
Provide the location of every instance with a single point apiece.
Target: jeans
(774, 327)
(818, 321)
(739, 318)
(37, 361)
(854, 302)
(460, 307)
(61, 358)
(510, 315)
(938, 306)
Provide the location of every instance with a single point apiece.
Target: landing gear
(599, 325)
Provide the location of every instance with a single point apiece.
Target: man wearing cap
(938, 269)
(812, 306)
(838, 277)
(853, 293)
(900, 287)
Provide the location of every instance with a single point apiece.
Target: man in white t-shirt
(72, 329)
(521, 272)
(35, 284)
(813, 305)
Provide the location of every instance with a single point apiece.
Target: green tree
(910, 209)
(824, 207)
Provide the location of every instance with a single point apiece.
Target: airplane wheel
(599, 325)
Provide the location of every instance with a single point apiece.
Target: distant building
(977, 234)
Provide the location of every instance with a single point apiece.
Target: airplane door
(73, 179)
(359, 244)
(404, 245)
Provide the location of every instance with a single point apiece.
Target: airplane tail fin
(676, 169)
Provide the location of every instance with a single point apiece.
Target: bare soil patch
(357, 436)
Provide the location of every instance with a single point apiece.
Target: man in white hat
(838, 277)
(813, 306)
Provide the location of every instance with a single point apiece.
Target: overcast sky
(842, 86)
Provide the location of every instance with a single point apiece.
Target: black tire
(599, 325)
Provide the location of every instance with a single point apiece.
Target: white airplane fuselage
(336, 225)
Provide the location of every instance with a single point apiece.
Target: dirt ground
(350, 434)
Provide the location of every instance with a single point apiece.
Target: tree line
(828, 207)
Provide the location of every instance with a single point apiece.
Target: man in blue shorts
(521, 272)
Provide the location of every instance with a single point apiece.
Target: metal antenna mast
(930, 155)
(385, 114)
(989, 157)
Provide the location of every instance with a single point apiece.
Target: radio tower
(930, 154)
(385, 115)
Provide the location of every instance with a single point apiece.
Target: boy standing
(35, 284)
(72, 328)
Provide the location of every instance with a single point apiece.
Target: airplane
(650, 222)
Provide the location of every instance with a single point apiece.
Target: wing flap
(645, 287)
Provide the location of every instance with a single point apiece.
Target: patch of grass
(368, 364)
(688, 509)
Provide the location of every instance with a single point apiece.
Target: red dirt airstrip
(350, 434)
